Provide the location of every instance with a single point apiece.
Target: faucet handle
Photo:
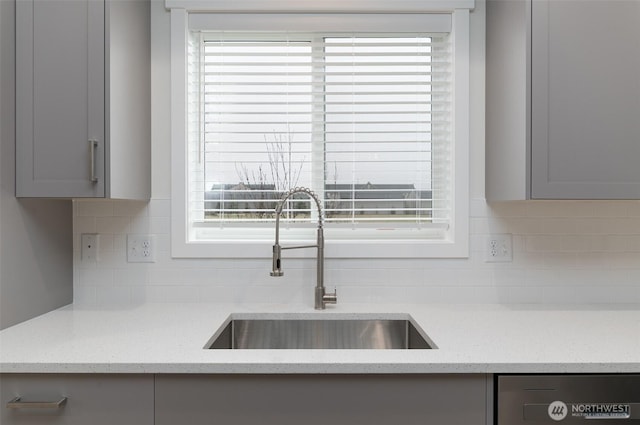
(276, 268)
(330, 297)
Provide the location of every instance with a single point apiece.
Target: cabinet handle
(17, 404)
(93, 144)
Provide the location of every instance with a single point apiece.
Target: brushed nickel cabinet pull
(17, 404)
(93, 144)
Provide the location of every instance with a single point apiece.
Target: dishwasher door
(568, 399)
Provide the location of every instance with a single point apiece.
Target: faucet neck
(284, 199)
(292, 192)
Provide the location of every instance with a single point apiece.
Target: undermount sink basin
(319, 331)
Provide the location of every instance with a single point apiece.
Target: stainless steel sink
(320, 332)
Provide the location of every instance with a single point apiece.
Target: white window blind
(363, 119)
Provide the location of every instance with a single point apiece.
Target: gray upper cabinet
(563, 99)
(83, 99)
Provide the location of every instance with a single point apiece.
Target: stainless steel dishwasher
(568, 399)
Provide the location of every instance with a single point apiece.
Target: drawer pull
(17, 404)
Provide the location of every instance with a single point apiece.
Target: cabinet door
(60, 68)
(90, 399)
(585, 133)
(321, 399)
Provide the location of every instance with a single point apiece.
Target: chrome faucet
(322, 297)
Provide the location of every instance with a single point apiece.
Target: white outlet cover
(141, 248)
(89, 244)
(499, 248)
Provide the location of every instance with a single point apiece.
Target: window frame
(456, 245)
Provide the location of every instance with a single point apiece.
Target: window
(369, 120)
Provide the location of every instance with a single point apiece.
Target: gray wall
(36, 245)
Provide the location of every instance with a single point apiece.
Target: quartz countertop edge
(478, 338)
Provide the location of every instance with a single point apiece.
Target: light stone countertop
(169, 338)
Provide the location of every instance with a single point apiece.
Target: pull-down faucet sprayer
(322, 298)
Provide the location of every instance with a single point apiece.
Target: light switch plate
(141, 248)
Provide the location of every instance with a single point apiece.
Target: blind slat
(228, 105)
(323, 93)
(293, 133)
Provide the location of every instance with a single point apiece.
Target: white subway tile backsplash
(150, 294)
(633, 208)
(523, 294)
(623, 261)
(544, 243)
(505, 209)
(439, 278)
(112, 225)
(564, 252)
(95, 277)
(179, 293)
(508, 277)
(580, 243)
(591, 260)
(134, 277)
(601, 209)
(105, 243)
(181, 277)
(601, 226)
(114, 295)
(633, 243)
(130, 208)
(525, 226)
(550, 260)
(474, 278)
(95, 209)
(139, 224)
(84, 225)
(84, 295)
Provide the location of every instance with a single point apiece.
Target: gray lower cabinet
(147, 399)
(322, 399)
(96, 399)
(83, 99)
(563, 99)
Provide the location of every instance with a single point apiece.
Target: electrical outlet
(499, 248)
(89, 247)
(141, 248)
